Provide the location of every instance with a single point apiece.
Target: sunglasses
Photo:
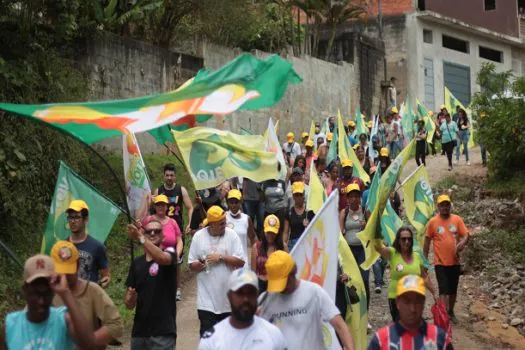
(155, 231)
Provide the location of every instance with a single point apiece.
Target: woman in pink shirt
(170, 229)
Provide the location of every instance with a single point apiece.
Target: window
(490, 5)
(427, 36)
(491, 54)
(455, 44)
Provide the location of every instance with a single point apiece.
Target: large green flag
(347, 152)
(360, 127)
(213, 156)
(430, 126)
(70, 186)
(408, 119)
(374, 189)
(246, 82)
(372, 232)
(332, 150)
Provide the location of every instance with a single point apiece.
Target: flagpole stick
(408, 178)
(11, 254)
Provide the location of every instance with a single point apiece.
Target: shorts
(448, 279)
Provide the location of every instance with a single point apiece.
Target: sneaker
(468, 163)
(452, 317)
(378, 290)
(179, 295)
(449, 168)
(456, 162)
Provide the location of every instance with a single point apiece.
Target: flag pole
(11, 254)
(408, 178)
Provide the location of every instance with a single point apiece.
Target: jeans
(379, 270)
(395, 148)
(291, 243)
(420, 152)
(359, 255)
(483, 150)
(255, 210)
(464, 136)
(153, 343)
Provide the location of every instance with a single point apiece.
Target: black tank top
(175, 206)
(298, 223)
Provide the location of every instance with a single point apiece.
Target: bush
(501, 130)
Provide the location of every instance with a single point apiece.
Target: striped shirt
(394, 336)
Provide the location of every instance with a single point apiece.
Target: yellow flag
(372, 232)
(212, 156)
(311, 135)
(356, 315)
(317, 194)
(347, 152)
(451, 102)
(277, 125)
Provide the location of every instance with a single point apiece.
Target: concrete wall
(504, 19)
(418, 50)
(325, 88)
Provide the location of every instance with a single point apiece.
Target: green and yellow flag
(419, 201)
(316, 194)
(360, 125)
(70, 186)
(372, 232)
(311, 134)
(246, 82)
(347, 152)
(357, 314)
(390, 223)
(430, 126)
(213, 156)
(451, 102)
(408, 119)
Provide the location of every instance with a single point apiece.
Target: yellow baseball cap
(161, 198)
(271, 224)
(442, 107)
(443, 198)
(215, 214)
(65, 256)
(298, 187)
(395, 110)
(355, 147)
(309, 143)
(351, 123)
(278, 268)
(235, 194)
(352, 187)
(304, 134)
(383, 152)
(430, 113)
(290, 136)
(410, 283)
(347, 162)
(370, 124)
(329, 136)
(77, 205)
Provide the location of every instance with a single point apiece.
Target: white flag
(315, 255)
(138, 190)
(272, 145)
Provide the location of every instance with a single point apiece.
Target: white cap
(242, 277)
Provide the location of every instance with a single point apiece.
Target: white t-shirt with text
(261, 335)
(213, 285)
(299, 316)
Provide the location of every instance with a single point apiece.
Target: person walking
(352, 220)
(214, 251)
(252, 203)
(403, 261)
(449, 133)
(421, 142)
(291, 148)
(96, 306)
(449, 234)
(151, 290)
(411, 331)
(93, 262)
(41, 325)
(347, 179)
(270, 242)
(331, 182)
(463, 135)
(241, 223)
(298, 217)
(299, 307)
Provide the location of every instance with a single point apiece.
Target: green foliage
(502, 130)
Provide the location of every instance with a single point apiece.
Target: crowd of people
(242, 233)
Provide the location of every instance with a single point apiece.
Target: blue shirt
(353, 140)
(50, 334)
(92, 258)
(447, 136)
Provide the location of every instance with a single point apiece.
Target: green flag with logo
(70, 186)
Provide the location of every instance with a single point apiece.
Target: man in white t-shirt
(243, 330)
(291, 148)
(215, 250)
(239, 222)
(298, 308)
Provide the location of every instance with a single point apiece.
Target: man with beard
(151, 289)
(347, 179)
(243, 330)
(450, 235)
(93, 259)
(40, 325)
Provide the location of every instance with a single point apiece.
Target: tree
(499, 110)
(340, 13)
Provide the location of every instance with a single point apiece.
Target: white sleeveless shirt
(240, 226)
